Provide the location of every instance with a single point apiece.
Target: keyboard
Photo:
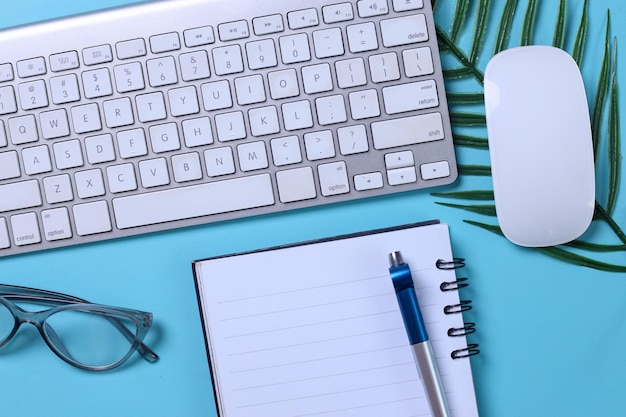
(169, 114)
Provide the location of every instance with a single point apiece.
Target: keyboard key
(328, 43)
(8, 104)
(97, 55)
(351, 73)
(68, 154)
(286, 151)
(3, 135)
(250, 90)
(337, 13)
(64, 61)
(6, 73)
(5, 241)
(319, 145)
(181, 203)
(153, 173)
(54, 124)
(233, 30)
(216, 95)
(333, 178)
(23, 129)
(90, 183)
(186, 167)
(303, 18)
(406, 5)
(331, 110)
(86, 118)
(364, 104)
(164, 138)
(295, 48)
(25, 228)
(268, 24)
(133, 48)
(150, 107)
(165, 42)
(20, 195)
(97, 83)
(100, 149)
(370, 181)
(421, 128)
(261, 54)
(9, 165)
(384, 67)
(317, 78)
(418, 62)
(183, 101)
(228, 60)
(362, 37)
(58, 189)
(56, 224)
(297, 115)
(252, 156)
(64, 89)
(33, 95)
(199, 36)
(194, 66)
(197, 132)
(129, 77)
(264, 121)
(92, 218)
(118, 112)
(296, 184)
(399, 160)
(369, 8)
(283, 84)
(413, 96)
(132, 143)
(404, 30)
(36, 160)
(162, 71)
(352, 140)
(121, 178)
(230, 126)
(31, 67)
(435, 170)
(219, 161)
(401, 176)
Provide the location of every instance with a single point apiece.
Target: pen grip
(427, 367)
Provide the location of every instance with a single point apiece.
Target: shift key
(19, 195)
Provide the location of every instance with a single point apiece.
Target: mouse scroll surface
(540, 146)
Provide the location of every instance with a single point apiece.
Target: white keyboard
(182, 112)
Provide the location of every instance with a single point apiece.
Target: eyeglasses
(88, 336)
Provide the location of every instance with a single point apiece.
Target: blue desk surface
(552, 335)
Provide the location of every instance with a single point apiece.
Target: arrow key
(368, 181)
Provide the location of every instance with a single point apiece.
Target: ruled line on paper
(347, 300)
(316, 341)
(327, 394)
(349, 354)
(293, 381)
(294, 291)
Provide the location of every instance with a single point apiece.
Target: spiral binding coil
(463, 306)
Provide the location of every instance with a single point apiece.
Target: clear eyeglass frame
(75, 328)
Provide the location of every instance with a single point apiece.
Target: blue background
(552, 335)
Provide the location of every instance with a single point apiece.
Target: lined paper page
(315, 330)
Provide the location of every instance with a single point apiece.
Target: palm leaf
(468, 124)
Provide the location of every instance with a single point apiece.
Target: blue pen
(416, 330)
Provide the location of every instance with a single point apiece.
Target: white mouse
(540, 145)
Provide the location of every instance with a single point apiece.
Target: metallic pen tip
(395, 258)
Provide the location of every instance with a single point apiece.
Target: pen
(418, 337)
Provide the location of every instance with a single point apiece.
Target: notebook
(314, 329)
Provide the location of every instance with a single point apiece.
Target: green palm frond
(466, 63)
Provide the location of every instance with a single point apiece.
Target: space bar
(193, 201)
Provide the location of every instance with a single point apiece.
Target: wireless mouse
(540, 145)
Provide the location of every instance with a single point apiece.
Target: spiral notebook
(314, 329)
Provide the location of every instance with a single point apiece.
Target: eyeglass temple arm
(55, 298)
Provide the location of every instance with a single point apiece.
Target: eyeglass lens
(90, 338)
